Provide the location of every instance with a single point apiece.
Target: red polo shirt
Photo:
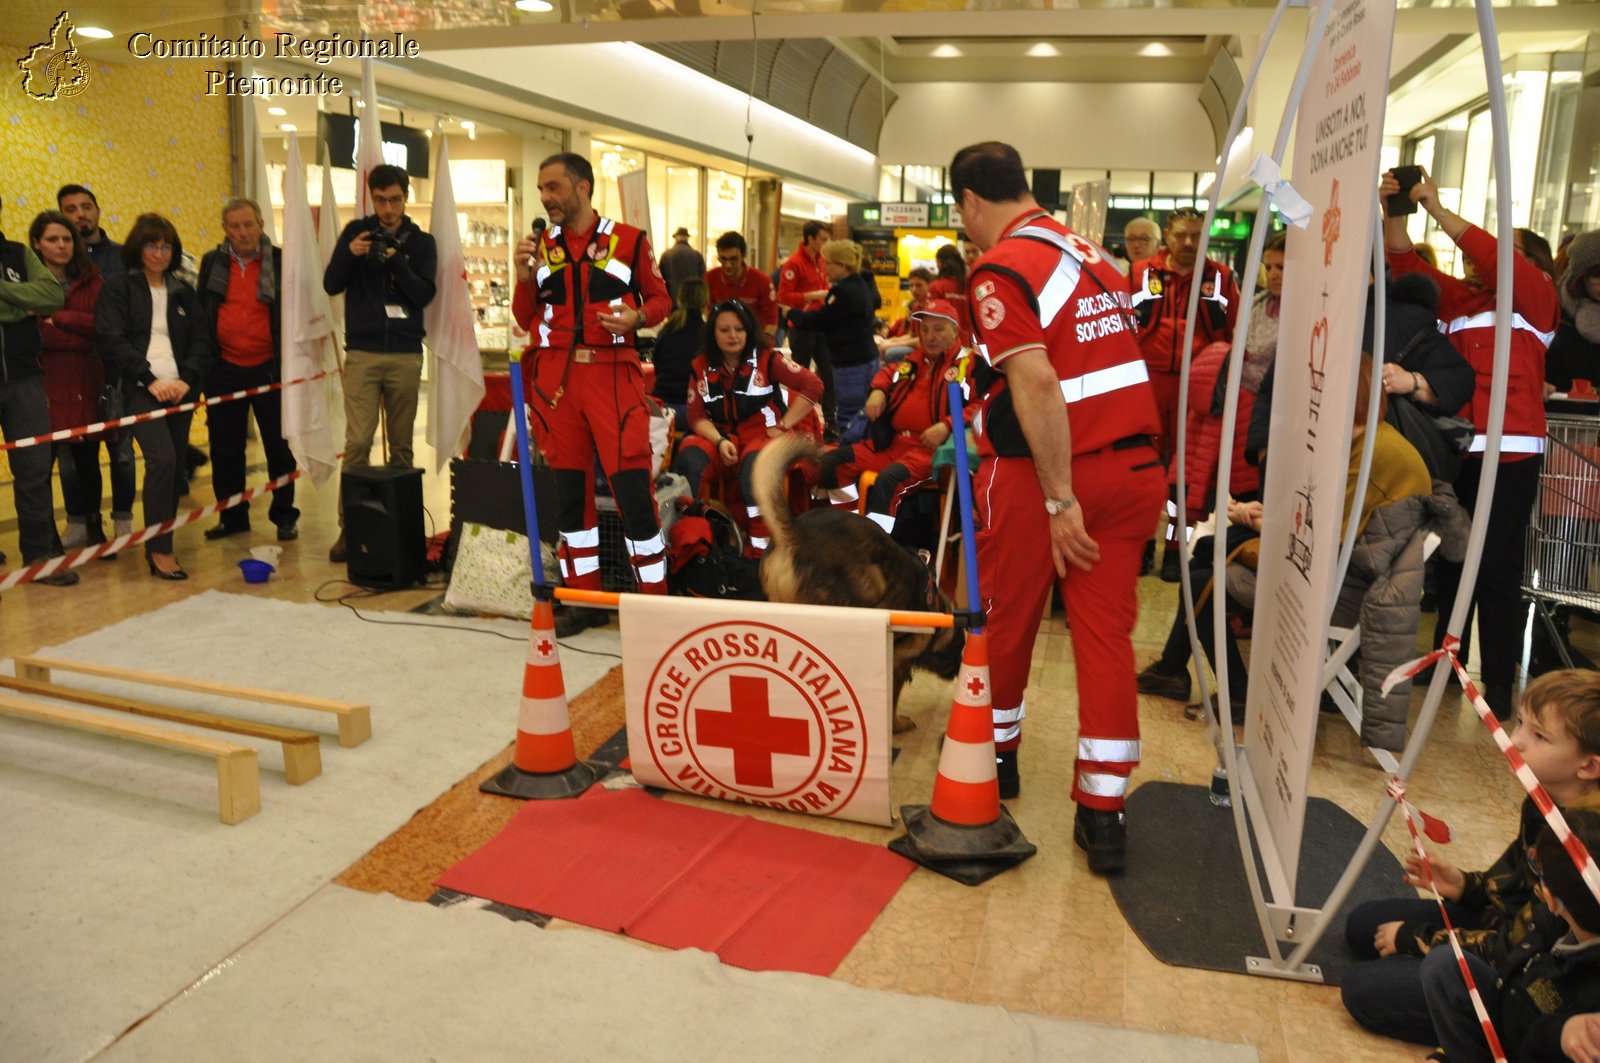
(244, 324)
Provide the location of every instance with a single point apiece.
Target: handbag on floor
(492, 573)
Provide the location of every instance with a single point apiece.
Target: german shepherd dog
(832, 557)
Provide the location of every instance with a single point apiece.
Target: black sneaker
(65, 578)
(1005, 769)
(1104, 836)
(288, 532)
(575, 620)
(1162, 684)
(1169, 566)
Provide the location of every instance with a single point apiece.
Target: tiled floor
(1044, 938)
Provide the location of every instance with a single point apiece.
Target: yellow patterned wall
(142, 135)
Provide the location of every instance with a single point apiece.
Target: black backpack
(706, 559)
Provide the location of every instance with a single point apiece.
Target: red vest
(614, 269)
(1081, 302)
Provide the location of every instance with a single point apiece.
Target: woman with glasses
(152, 336)
(741, 394)
(847, 318)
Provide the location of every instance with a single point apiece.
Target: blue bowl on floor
(255, 571)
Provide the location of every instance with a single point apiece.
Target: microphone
(539, 226)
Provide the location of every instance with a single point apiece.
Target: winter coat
(122, 330)
(1383, 593)
(1203, 435)
(846, 320)
(73, 374)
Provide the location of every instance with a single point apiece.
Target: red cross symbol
(545, 647)
(751, 731)
(975, 686)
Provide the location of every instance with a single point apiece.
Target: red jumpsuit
(917, 399)
(753, 290)
(801, 274)
(1019, 302)
(586, 390)
(742, 404)
(1161, 304)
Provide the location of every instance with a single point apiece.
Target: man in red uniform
(1467, 308)
(803, 286)
(909, 406)
(1160, 288)
(1068, 478)
(734, 279)
(584, 287)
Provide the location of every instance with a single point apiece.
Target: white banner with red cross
(783, 706)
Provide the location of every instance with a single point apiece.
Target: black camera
(382, 244)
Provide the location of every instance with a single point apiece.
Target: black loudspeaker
(1047, 188)
(383, 526)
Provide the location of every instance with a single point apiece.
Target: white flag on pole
(328, 229)
(263, 182)
(455, 376)
(369, 139)
(307, 333)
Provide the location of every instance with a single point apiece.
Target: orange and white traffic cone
(966, 834)
(545, 764)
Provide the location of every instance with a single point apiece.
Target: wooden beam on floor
(238, 770)
(302, 750)
(355, 719)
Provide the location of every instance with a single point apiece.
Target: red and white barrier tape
(1397, 791)
(152, 415)
(1519, 767)
(73, 560)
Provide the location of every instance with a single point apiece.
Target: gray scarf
(266, 284)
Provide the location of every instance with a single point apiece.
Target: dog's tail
(769, 479)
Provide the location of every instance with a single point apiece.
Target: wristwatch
(1057, 506)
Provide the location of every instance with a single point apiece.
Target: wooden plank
(302, 750)
(238, 768)
(355, 719)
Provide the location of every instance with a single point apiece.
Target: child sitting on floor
(1558, 734)
(1544, 985)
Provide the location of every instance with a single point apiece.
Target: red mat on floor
(760, 896)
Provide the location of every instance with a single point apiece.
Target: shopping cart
(1562, 561)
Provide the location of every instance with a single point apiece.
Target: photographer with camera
(384, 266)
(1467, 311)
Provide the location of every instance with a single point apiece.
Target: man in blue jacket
(384, 266)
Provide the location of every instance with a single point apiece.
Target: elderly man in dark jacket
(240, 289)
(27, 290)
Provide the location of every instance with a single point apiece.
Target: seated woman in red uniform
(909, 410)
(737, 403)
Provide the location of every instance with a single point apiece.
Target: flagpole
(530, 511)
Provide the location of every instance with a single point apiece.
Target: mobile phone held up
(1400, 203)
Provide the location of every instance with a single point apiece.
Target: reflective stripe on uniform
(619, 270)
(1006, 734)
(1099, 784)
(653, 545)
(1102, 381)
(581, 565)
(1015, 715)
(759, 543)
(1509, 444)
(655, 572)
(882, 520)
(582, 539)
(1486, 320)
(1109, 750)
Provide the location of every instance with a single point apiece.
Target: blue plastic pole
(530, 512)
(969, 548)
